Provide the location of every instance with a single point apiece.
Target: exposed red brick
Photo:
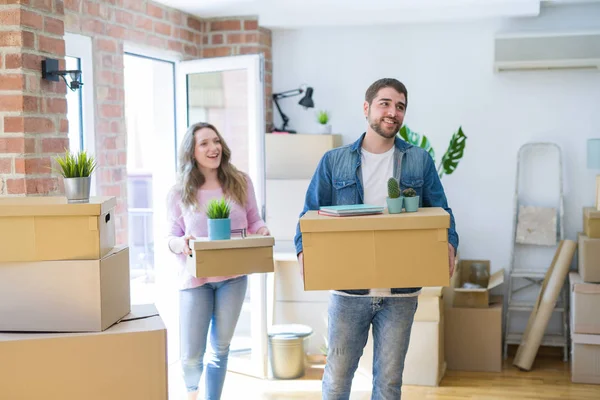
(116, 31)
(73, 5)
(237, 38)
(6, 165)
(32, 20)
(250, 25)
(40, 165)
(123, 17)
(41, 185)
(12, 82)
(54, 145)
(143, 23)
(217, 38)
(154, 11)
(9, 17)
(162, 28)
(111, 111)
(15, 186)
(194, 23)
(107, 45)
(226, 25)
(43, 5)
(19, 164)
(54, 26)
(55, 106)
(28, 125)
(12, 144)
(175, 17)
(134, 5)
(216, 52)
(90, 25)
(54, 46)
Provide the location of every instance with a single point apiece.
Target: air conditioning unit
(547, 51)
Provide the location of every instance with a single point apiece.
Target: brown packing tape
(538, 321)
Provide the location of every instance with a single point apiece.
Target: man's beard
(377, 127)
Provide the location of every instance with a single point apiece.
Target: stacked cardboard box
(67, 330)
(473, 322)
(585, 302)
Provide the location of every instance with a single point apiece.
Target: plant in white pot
(219, 223)
(76, 169)
(323, 120)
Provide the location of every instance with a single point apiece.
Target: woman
(206, 173)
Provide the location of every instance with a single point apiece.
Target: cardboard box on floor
(238, 256)
(48, 228)
(585, 353)
(375, 251)
(588, 254)
(128, 361)
(585, 303)
(476, 298)
(473, 337)
(65, 296)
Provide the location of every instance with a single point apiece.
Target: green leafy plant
(75, 165)
(409, 192)
(451, 157)
(218, 209)
(323, 117)
(393, 188)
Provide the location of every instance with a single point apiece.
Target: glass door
(228, 93)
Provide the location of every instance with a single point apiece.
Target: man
(355, 174)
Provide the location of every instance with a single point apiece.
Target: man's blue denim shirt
(338, 181)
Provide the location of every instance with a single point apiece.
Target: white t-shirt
(376, 170)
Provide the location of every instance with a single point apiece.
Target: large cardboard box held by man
(128, 361)
(65, 296)
(376, 251)
(49, 228)
(237, 256)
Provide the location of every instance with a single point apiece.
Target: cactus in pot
(411, 200)
(394, 200)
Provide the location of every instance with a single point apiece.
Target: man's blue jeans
(221, 304)
(349, 322)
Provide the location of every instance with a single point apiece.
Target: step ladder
(538, 201)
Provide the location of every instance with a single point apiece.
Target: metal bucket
(77, 190)
(286, 350)
(287, 356)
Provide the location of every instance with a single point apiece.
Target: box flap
(431, 291)
(425, 218)
(579, 286)
(233, 243)
(53, 205)
(140, 311)
(496, 279)
(591, 212)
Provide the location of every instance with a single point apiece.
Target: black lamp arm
(284, 117)
(287, 93)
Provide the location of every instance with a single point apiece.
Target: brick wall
(33, 125)
(36, 110)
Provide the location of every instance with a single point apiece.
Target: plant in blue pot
(411, 200)
(394, 199)
(219, 223)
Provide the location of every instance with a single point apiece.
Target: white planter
(325, 129)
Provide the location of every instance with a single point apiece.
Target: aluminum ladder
(530, 262)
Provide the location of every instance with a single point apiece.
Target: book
(350, 210)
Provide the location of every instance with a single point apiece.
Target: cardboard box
(238, 256)
(376, 251)
(591, 222)
(585, 303)
(128, 361)
(473, 337)
(476, 298)
(65, 296)
(296, 156)
(585, 359)
(48, 228)
(430, 302)
(588, 258)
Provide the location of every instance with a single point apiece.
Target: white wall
(448, 71)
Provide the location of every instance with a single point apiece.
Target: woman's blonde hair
(232, 180)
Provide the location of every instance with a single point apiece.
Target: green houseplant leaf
(79, 165)
(454, 153)
(218, 209)
(416, 139)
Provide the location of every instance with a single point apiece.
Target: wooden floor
(550, 379)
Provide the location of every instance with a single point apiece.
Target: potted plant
(323, 119)
(394, 199)
(219, 223)
(76, 170)
(411, 200)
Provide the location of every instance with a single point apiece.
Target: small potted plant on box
(411, 200)
(219, 223)
(394, 199)
(76, 170)
(323, 119)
